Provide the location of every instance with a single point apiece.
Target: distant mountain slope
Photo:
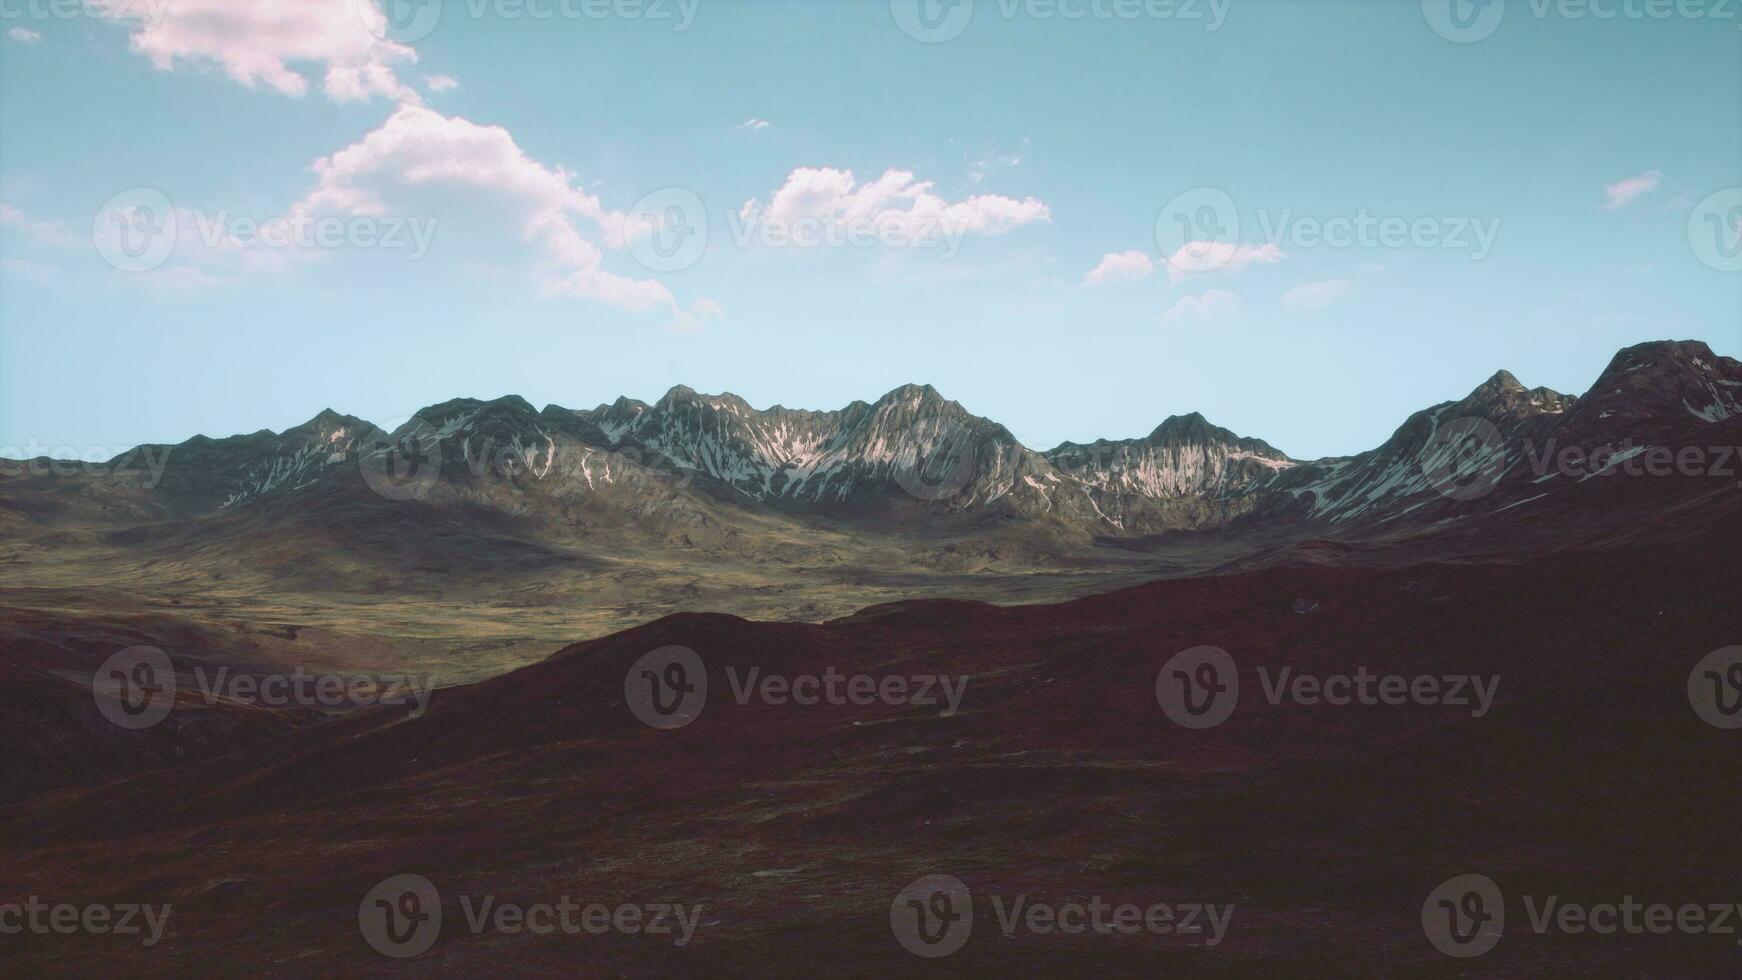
(914, 458)
(1665, 411)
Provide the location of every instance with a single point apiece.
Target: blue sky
(1026, 150)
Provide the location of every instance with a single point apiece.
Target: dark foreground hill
(1582, 773)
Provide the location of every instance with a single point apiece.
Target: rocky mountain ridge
(914, 455)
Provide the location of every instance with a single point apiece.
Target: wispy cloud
(981, 168)
(1318, 295)
(24, 35)
(1624, 192)
(418, 147)
(254, 44)
(896, 200)
(1216, 304)
(438, 84)
(1195, 258)
(1114, 267)
(40, 232)
(37, 272)
(753, 125)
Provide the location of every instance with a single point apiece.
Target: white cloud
(441, 83)
(416, 150)
(1624, 192)
(895, 201)
(1216, 304)
(1120, 267)
(1318, 295)
(37, 272)
(39, 232)
(979, 170)
(421, 148)
(197, 250)
(754, 124)
(257, 43)
(188, 277)
(1201, 257)
(24, 35)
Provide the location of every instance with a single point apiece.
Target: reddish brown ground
(1061, 778)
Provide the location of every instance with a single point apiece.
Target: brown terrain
(1580, 599)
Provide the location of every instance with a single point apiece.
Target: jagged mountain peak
(1178, 426)
(328, 431)
(511, 409)
(918, 398)
(913, 443)
(1193, 428)
(1185, 456)
(912, 390)
(1661, 355)
(329, 416)
(685, 395)
(1504, 397)
(1663, 379)
(1502, 380)
(509, 402)
(625, 402)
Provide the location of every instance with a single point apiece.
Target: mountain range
(914, 458)
(520, 564)
(477, 536)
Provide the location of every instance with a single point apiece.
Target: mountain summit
(913, 456)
